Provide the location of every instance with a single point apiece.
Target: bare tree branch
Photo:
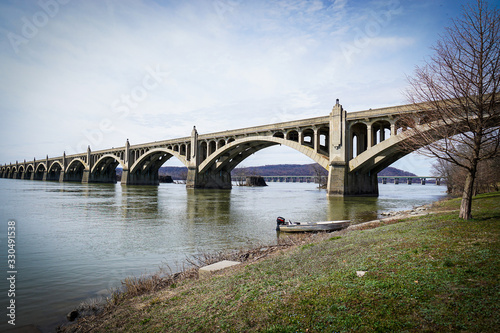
(456, 92)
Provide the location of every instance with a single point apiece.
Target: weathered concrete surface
(210, 269)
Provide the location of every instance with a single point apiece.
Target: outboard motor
(280, 221)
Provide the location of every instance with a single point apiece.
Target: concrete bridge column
(62, 174)
(192, 176)
(220, 179)
(15, 173)
(126, 176)
(337, 173)
(382, 134)
(316, 139)
(340, 181)
(88, 167)
(369, 136)
(34, 170)
(46, 172)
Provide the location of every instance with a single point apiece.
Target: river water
(76, 241)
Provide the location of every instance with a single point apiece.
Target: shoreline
(432, 272)
(89, 309)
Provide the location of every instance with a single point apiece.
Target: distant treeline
(180, 173)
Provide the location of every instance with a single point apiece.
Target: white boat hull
(313, 226)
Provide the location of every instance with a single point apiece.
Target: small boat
(284, 226)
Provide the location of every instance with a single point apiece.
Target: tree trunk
(466, 204)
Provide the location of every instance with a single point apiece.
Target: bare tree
(457, 90)
(321, 175)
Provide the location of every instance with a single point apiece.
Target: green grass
(435, 273)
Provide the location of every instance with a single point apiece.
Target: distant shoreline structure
(301, 170)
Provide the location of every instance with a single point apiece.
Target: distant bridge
(353, 147)
(283, 179)
(318, 179)
(410, 179)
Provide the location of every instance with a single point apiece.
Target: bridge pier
(208, 180)
(52, 176)
(86, 176)
(362, 185)
(342, 183)
(129, 178)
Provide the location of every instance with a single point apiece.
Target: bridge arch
(380, 129)
(40, 170)
(308, 137)
(16, 172)
(20, 171)
(28, 172)
(390, 150)
(9, 172)
(75, 170)
(104, 169)
(145, 170)
(358, 139)
(54, 171)
(215, 171)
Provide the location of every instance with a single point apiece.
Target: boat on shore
(289, 226)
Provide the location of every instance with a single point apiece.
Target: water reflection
(208, 206)
(356, 209)
(78, 239)
(138, 202)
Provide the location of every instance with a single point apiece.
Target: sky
(78, 73)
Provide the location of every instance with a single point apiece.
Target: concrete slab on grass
(208, 270)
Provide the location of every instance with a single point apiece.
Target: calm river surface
(76, 241)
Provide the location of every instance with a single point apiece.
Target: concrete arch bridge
(352, 146)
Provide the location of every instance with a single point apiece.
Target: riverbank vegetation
(430, 273)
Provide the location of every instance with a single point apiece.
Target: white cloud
(230, 64)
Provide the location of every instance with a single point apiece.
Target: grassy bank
(433, 273)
